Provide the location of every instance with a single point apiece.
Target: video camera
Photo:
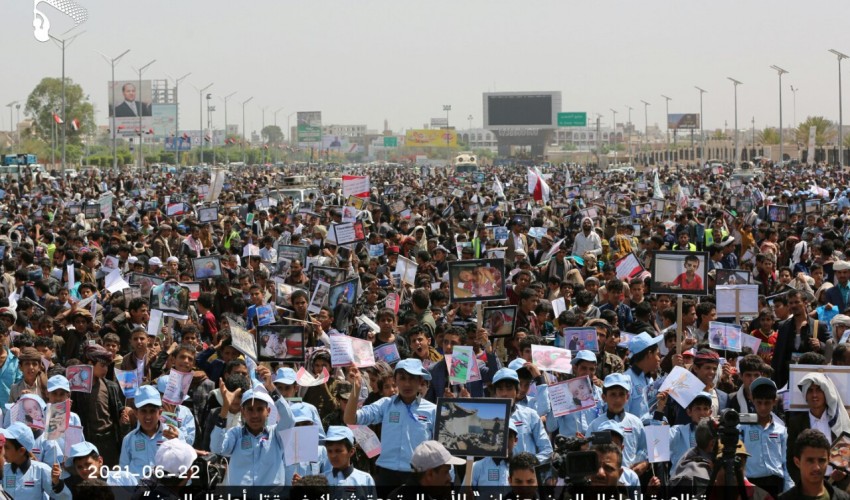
(572, 464)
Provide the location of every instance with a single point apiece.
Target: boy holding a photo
(615, 392)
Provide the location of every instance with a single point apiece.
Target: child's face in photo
(465, 275)
(581, 391)
(691, 265)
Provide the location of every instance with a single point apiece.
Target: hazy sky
(367, 60)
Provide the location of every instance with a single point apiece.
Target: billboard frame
(553, 118)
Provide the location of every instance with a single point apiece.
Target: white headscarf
(838, 418)
(799, 249)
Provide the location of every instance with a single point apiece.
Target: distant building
(479, 138)
(344, 130)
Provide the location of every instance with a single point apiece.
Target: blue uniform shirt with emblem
(32, 481)
(767, 447)
(350, 484)
(403, 428)
(634, 443)
(531, 433)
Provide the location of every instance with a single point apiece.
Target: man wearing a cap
(584, 365)
(431, 465)
(644, 360)
(406, 420)
(139, 447)
(839, 295)
(615, 392)
(254, 449)
(840, 324)
(23, 477)
(339, 443)
(531, 433)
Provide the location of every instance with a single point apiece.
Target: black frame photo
(210, 265)
(500, 321)
(346, 289)
(668, 269)
(208, 214)
(280, 346)
(473, 427)
(811, 206)
(777, 213)
(146, 282)
(334, 275)
(733, 277)
(170, 296)
(486, 281)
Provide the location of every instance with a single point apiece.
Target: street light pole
(112, 63)
(262, 129)
(17, 123)
(613, 138)
(701, 123)
(62, 43)
(11, 123)
(780, 72)
(141, 112)
(794, 94)
(447, 108)
(201, 118)
(630, 133)
(225, 99)
(177, 139)
(243, 127)
(645, 127)
(667, 155)
(210, 109)
(735, 84)
(840, 109)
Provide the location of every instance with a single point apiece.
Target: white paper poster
(300, 444)
(658, 443)
(682, 385)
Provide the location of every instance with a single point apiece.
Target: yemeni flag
(58, 120)
(75, 124)
(537, 187)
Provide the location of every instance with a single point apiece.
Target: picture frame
(280, 343)
(348, 232)
(207, 215)
(345, 291)
(330, 275)
(581, 338)
(777, 214)
(74, 208)
(733, 277)
(477, 280)
(207, 267)
(92, 211)
(839, 452)
(293, 252)
(840, 376)
(500, 321)
(473, 427)
(170, 296)
(146, 282)
(670, 277)
(811, 206)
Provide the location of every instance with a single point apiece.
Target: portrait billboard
(683, 121)
(127, 102)
(309, 126)
(430, 138)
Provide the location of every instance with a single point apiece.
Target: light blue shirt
(34, 484)
(358, 484)
(314, 416)
(403, 428)
(767, 447)
(569, 425)
(531, 433)
(49, 452)
(254, 460)
(138, 450)
(186, 424)
(487, 473)
(319, 467)
(643, 393)
(634, 444)
(682, 439)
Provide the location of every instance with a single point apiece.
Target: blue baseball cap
(284, 376)
(642, 342)
(505, 374)
(57, 382)
(301, 414)
(761, 382)
(254, 394)
(610, 425)
(20, 433)
(147, 395)
(339, 433)
(517, 364)
(413, 367)
(584, 355)
(617, 379)
(82, 449)
(700, 395)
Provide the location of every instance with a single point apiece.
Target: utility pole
(780, 72)
(201, 118)
(141, 112)
(630, 133)
(735, 84)
(244, 159)
(63, 43)
(645, 126)
(447, 108)
(667, 156)
(178, 140)
(840, 109)
(112, 63)
(701, 124)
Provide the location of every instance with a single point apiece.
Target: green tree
(770, 135)
(718, 135)
(824, 132)
(272, 134)
(46, 100)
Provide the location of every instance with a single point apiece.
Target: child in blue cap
(23, 477)
(615, 393)
(347, 481)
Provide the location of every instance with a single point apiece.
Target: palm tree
(824, 131)
(770, 135)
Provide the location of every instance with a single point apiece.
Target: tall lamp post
(701, 123)
(667, 155)
(840, 109)
(225, 99)
(201, 118)
(447, 108)
(210, 109)
(178, 141)
(278, 110)
(794, 108)
(645, 127)
(613, 137)
(11, 123)
(112, 63)
(63, 43)
(780, 72)
(630, 133)
(735, 84)
(289, 130)
(262, 129)
(469, 118)
(243, 126)
(141, 132)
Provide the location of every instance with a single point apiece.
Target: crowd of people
(131, 328)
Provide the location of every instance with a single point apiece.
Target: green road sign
(390, 142)
(572, 119)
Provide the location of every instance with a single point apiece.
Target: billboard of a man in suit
(131, 102)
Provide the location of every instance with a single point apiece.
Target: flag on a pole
(58, 120)
(656, 187)
(75, 124)
(498, 188)
(537, 187)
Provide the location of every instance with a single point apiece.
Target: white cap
(132, 259)
(841, 265)
(172, 259)
(175, 456)
(155, 261)
(430, 455)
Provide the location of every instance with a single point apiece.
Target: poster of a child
(582, 393)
